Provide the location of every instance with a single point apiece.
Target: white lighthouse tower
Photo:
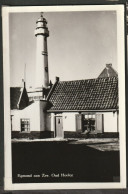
(41, 33)
(38, 93)
(41, 86)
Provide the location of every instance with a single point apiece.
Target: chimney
(109, 65)
(57, 79)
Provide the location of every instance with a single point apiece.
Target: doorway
(59, 127)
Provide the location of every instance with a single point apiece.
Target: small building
(77, 108)
(84, 106)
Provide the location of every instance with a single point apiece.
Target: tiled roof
(91, 94)
(15, 93)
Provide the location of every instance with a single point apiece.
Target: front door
(99, 123)
(59, 127)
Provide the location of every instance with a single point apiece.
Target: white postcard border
(122, 118)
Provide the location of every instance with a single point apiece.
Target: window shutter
(99, 123)
(79, 123)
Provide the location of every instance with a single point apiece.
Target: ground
(68, 160)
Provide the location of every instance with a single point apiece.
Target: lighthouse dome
(41, 19)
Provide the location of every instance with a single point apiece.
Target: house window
(85, 122)
(89, 122)
(25, 125)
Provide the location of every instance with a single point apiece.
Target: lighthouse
(41, 86)
(37, 94)
(41, 74)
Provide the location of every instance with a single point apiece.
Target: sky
(79, 46)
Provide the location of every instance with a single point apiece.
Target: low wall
(33, 134)
(68, 134)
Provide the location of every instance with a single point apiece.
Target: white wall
(31, 112)
(110, 122)
(52, 122)
(69, 122)
(39, 120)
